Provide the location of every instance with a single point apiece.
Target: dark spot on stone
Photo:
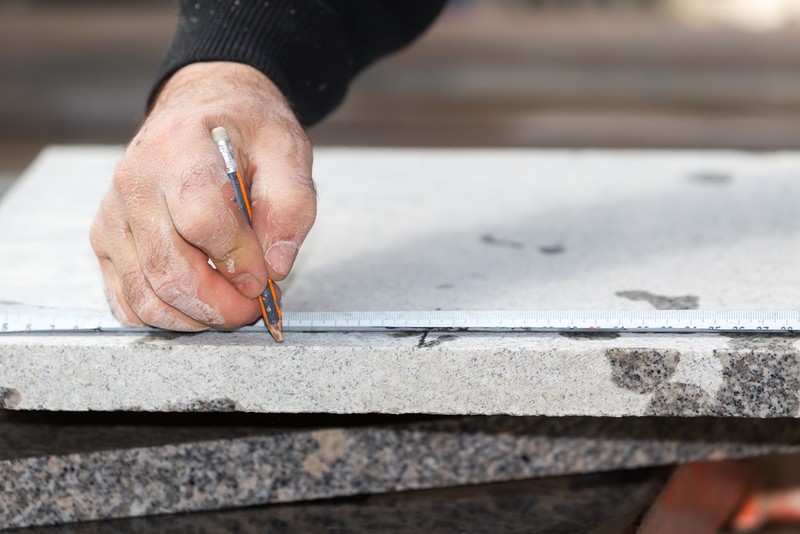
(444, 286)
(659, 302)
(424, 343)
(760, 378)
(773, 341)
(489, 239)
(9, 398)
(589, 335)
(525, 458)
(711, 177)
(222, 404)
(642, 370)
(557, 248)
(679, 400)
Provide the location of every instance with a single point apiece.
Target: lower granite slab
(53, 470)
(600, 503)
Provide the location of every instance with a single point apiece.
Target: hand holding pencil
(268, 299)
(171, 206)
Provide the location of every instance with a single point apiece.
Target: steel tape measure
(16, 318)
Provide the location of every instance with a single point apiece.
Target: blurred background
(535, 73)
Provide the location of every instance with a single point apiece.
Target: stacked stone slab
(405, 230)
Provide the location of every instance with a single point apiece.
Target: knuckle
(133, 287)
(306, 213)
(154, 260)
(306, 188)
(160, 270)
(286, 136)
(197, 180)
(301, 205)
(151, 307)
(298, 156)
(302, 146)
(202, 209)
(129, 188)
(124, 177)
(167, 284)
(210, 226)
(127, 180)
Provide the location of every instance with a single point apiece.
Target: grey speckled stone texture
(418, 229)
(83, 467)
(461, 373)
(607, 503)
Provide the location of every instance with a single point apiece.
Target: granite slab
(601, 503)
(79, 467)
(465, 373)
(449, 229)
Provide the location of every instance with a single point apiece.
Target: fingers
(153, 275)
(204, 213)
(116, 301)
(283, 197)
(179, 274)
(171, 207)
(130, 297)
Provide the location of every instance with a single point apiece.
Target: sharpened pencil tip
(277, 332)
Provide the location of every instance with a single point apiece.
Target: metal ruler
(16, 318)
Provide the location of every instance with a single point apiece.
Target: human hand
(171, 206)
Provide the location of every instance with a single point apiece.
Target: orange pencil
(268, 299)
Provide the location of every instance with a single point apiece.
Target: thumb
(283, 197)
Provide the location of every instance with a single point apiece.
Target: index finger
(205, 214)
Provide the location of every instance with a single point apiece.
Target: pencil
(268, 299)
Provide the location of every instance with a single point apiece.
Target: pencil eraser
(219, 134)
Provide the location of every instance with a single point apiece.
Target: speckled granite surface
(608, 503)
(90, 474)
(448, 373)
(559, 229)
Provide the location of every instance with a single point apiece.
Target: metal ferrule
(226, 149)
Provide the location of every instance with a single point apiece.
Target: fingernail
(247, 285)
(280, 257)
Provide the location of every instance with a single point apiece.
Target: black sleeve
(310, 49)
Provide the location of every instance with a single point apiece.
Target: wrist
(216, 84)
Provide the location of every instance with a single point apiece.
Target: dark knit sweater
(310, 49)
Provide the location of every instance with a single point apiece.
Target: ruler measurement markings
(18, 318)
